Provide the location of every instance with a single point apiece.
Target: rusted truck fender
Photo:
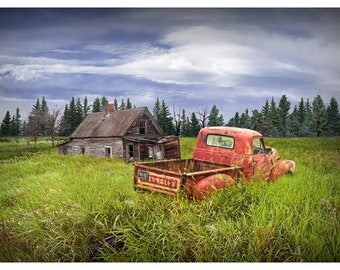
(210, 184)
(280, 167)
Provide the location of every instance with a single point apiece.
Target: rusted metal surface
(259, 162)
(210, 184)
(171, 176)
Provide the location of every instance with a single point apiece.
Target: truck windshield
(220, 141)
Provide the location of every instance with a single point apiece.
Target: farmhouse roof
(111, 124)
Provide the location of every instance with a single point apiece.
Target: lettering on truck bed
(153, 179)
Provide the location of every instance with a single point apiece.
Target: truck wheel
(210, 184)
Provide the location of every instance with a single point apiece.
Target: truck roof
(231, 131)
(243, 139)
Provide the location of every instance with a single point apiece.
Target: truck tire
(210, 184)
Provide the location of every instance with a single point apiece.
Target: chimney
(110, 107)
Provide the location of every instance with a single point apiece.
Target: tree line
(272, 120)
(306, 119)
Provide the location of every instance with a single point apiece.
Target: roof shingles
(114, 124)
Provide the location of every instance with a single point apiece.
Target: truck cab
(239, 147)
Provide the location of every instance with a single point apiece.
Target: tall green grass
(58, 208)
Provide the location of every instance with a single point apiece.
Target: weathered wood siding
(172, 149)
(93, 147)
(149, 127)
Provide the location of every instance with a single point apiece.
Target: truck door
(261, 161)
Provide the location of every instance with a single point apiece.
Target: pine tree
(185, 130)
(256, 121)
(283, 113)
(301, 118)
(245, 120)
(128, 104)
(273, 118)
(35, 121)
(214, 118)
(166, 121)
(64, 129)
(122, 105)
(308, 116)
(115, 102)
(96, 105)
(333, 118)
(86, 107)
(266, 123)
(237, 120)
(79, 113)
(195, 125)
(156, 111)
(6, 125)
(17, 123)
(318, 121)
(103, 104)
(301, 112)
(44, 111)
(293, 122)
(72, 115)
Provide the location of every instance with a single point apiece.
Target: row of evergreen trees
(272, 120)
(305, 120)
(42, 121)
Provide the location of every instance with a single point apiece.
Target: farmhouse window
(142, 127)
(108, 151)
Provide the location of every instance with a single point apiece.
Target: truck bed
(170, 176)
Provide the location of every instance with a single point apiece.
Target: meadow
(59, 208)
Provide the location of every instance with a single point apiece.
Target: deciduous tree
(53, 123)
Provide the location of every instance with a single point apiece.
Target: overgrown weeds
(59, 208)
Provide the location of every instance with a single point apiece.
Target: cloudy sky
(191, 58)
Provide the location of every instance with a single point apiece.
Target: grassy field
(58, 208)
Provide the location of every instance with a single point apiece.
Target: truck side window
(220, 141)
(258, 147)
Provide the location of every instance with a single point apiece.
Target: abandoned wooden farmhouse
(131, 134)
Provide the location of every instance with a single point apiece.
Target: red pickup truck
(222, 156)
